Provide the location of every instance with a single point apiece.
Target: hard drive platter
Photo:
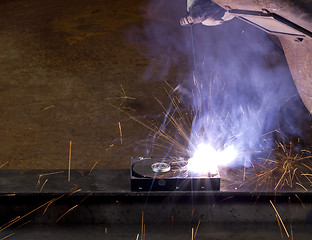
(170, 174)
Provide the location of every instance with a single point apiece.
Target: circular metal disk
(144, 168)
(160, 167)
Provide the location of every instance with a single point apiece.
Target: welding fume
(289, 24)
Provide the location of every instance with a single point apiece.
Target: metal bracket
(272, 23)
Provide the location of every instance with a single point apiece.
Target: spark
(8, 195)
(164, 137)
(45, 210)
(123, 96)
(227, 198)
(283, 168)
(142, 225)
(175, 120)
(43, 185)
(69, 159)
(4, 164)
(46, 108)
(9, 222)
(302, 186)
(52, 201)
(280, 219)
(68, 211)
(244, 176)
(109, 147)
(7, 236)
(122, 90)
(78, 190)
(5, 226)
(300, 200)
(93, 167)
(192, 215)
(192, 237)
(279, 226)
(291, 232)
(197, 228)
(120, 132)
(128, 108)
(85, 198)
(46, 174)
(23, 224)
(144, 232)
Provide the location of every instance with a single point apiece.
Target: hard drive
(170, 174)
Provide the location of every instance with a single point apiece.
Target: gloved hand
(206, 12)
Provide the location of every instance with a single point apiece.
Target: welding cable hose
(206, 12)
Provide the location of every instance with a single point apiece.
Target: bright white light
(206, 159)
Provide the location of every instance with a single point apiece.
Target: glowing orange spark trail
(279, 217)
(12, 220)
(279, 225)
(23, 224)
(197, 228)
(120, 132)
(85, 198)
(300, 200)
(78, 190)
(93, 167)
(51, 173)
(142, 226)
(179, 120)
(5, 226)
(4, 164)
(192, 238)
(69, 210)
(46, 208)
(69, 159)
(299, 184)
(46, 174)
(46, 108)
(50, 202)
(144, 232)
(7, 236)
(43, 185)
(192, 214)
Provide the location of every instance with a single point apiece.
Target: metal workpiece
(158, 174)
(101, 205)
(273, 24)
(214, 207)
(112, 187)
